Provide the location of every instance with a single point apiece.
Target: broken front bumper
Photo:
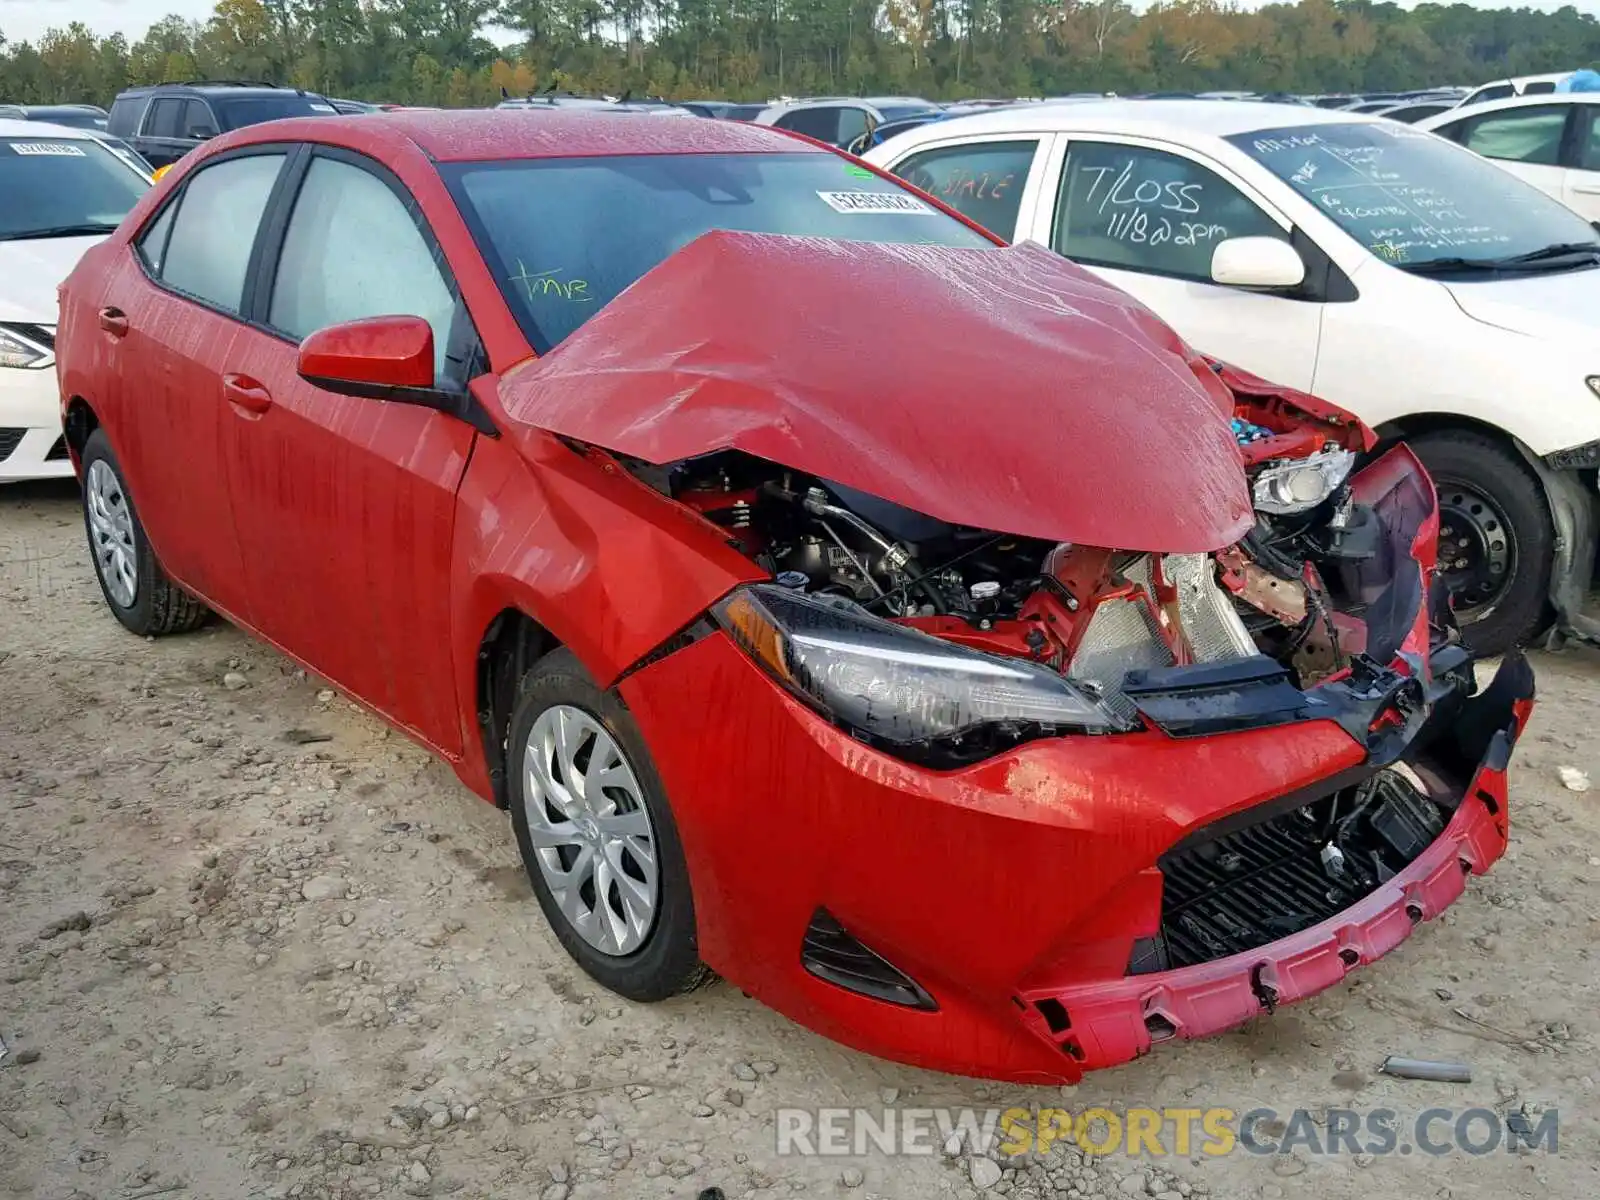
(1102, 1024)
(985, 921)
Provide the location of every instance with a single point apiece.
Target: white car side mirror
(1257, 262)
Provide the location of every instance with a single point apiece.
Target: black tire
(159, 606)
(1462, 463)
(668, 962)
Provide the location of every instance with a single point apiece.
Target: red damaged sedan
(909, 628)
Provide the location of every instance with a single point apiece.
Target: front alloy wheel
(598, 836)
(590, 830)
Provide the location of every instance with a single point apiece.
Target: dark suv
(167, 120)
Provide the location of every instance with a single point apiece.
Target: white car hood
(30, 272)
(1563, 306)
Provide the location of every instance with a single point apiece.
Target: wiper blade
(1449, 266)
(86, 230)
(1546, 253)
(1543, 258)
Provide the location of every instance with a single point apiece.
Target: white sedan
(61, 191)
(1392, 272)
(1552, 142)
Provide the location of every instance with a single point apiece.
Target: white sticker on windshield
(875, 202)
(323, 108)
(52, 149)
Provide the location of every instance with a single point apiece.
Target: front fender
(610, 568)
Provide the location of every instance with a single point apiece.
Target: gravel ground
(252, 944)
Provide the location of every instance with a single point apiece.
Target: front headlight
(16, 351)
(1301, 483)
(909, 692)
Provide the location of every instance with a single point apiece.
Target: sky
(25, 20)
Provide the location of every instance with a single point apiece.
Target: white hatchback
(1442, 300)
(61, 191)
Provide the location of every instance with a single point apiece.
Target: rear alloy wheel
(597, 835)
(136, 589)
(1495, 537)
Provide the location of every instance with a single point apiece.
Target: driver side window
(198, 121)
(1146, 210)
(352, 249)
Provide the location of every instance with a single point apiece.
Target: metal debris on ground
(1433, 1070)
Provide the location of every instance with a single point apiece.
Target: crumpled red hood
(1005, 389)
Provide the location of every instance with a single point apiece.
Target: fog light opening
(1159, 1027)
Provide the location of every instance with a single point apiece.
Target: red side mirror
(370, 357)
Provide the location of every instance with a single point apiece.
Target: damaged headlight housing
(909, 692)
(17, 351)
(1299, 484)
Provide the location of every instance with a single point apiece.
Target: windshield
(1412, 198)
(56, 187)
(564, 236)
(239, 111)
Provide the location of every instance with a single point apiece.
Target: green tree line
(439, 52)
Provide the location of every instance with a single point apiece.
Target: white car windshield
(63, 187)
(1420, 203)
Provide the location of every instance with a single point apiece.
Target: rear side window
(820, 123)
(982, 180)
(1526, 135)
(1589, 139)
(1542, 88)
(165, 119)
(208, 252)
(152, 243)
(352, 250)
(125, 113)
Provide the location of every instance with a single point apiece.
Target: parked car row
(976, 574)
(1299, 280)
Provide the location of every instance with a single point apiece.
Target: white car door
(992, 179)
(1146, 216)
(1525, 141)
(1581, 184)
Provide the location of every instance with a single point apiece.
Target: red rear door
(172, 318)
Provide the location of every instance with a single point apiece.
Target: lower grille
(831, 954)
(10, 439)
(1254, 885)
(57, 451)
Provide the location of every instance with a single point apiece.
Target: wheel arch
(1571, 507)
(511, 643)
(78, 422)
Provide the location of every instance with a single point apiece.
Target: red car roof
(465, 135)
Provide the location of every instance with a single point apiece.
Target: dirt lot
(252, 944)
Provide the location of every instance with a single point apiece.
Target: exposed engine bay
(1090, 613)
(1055, 638)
